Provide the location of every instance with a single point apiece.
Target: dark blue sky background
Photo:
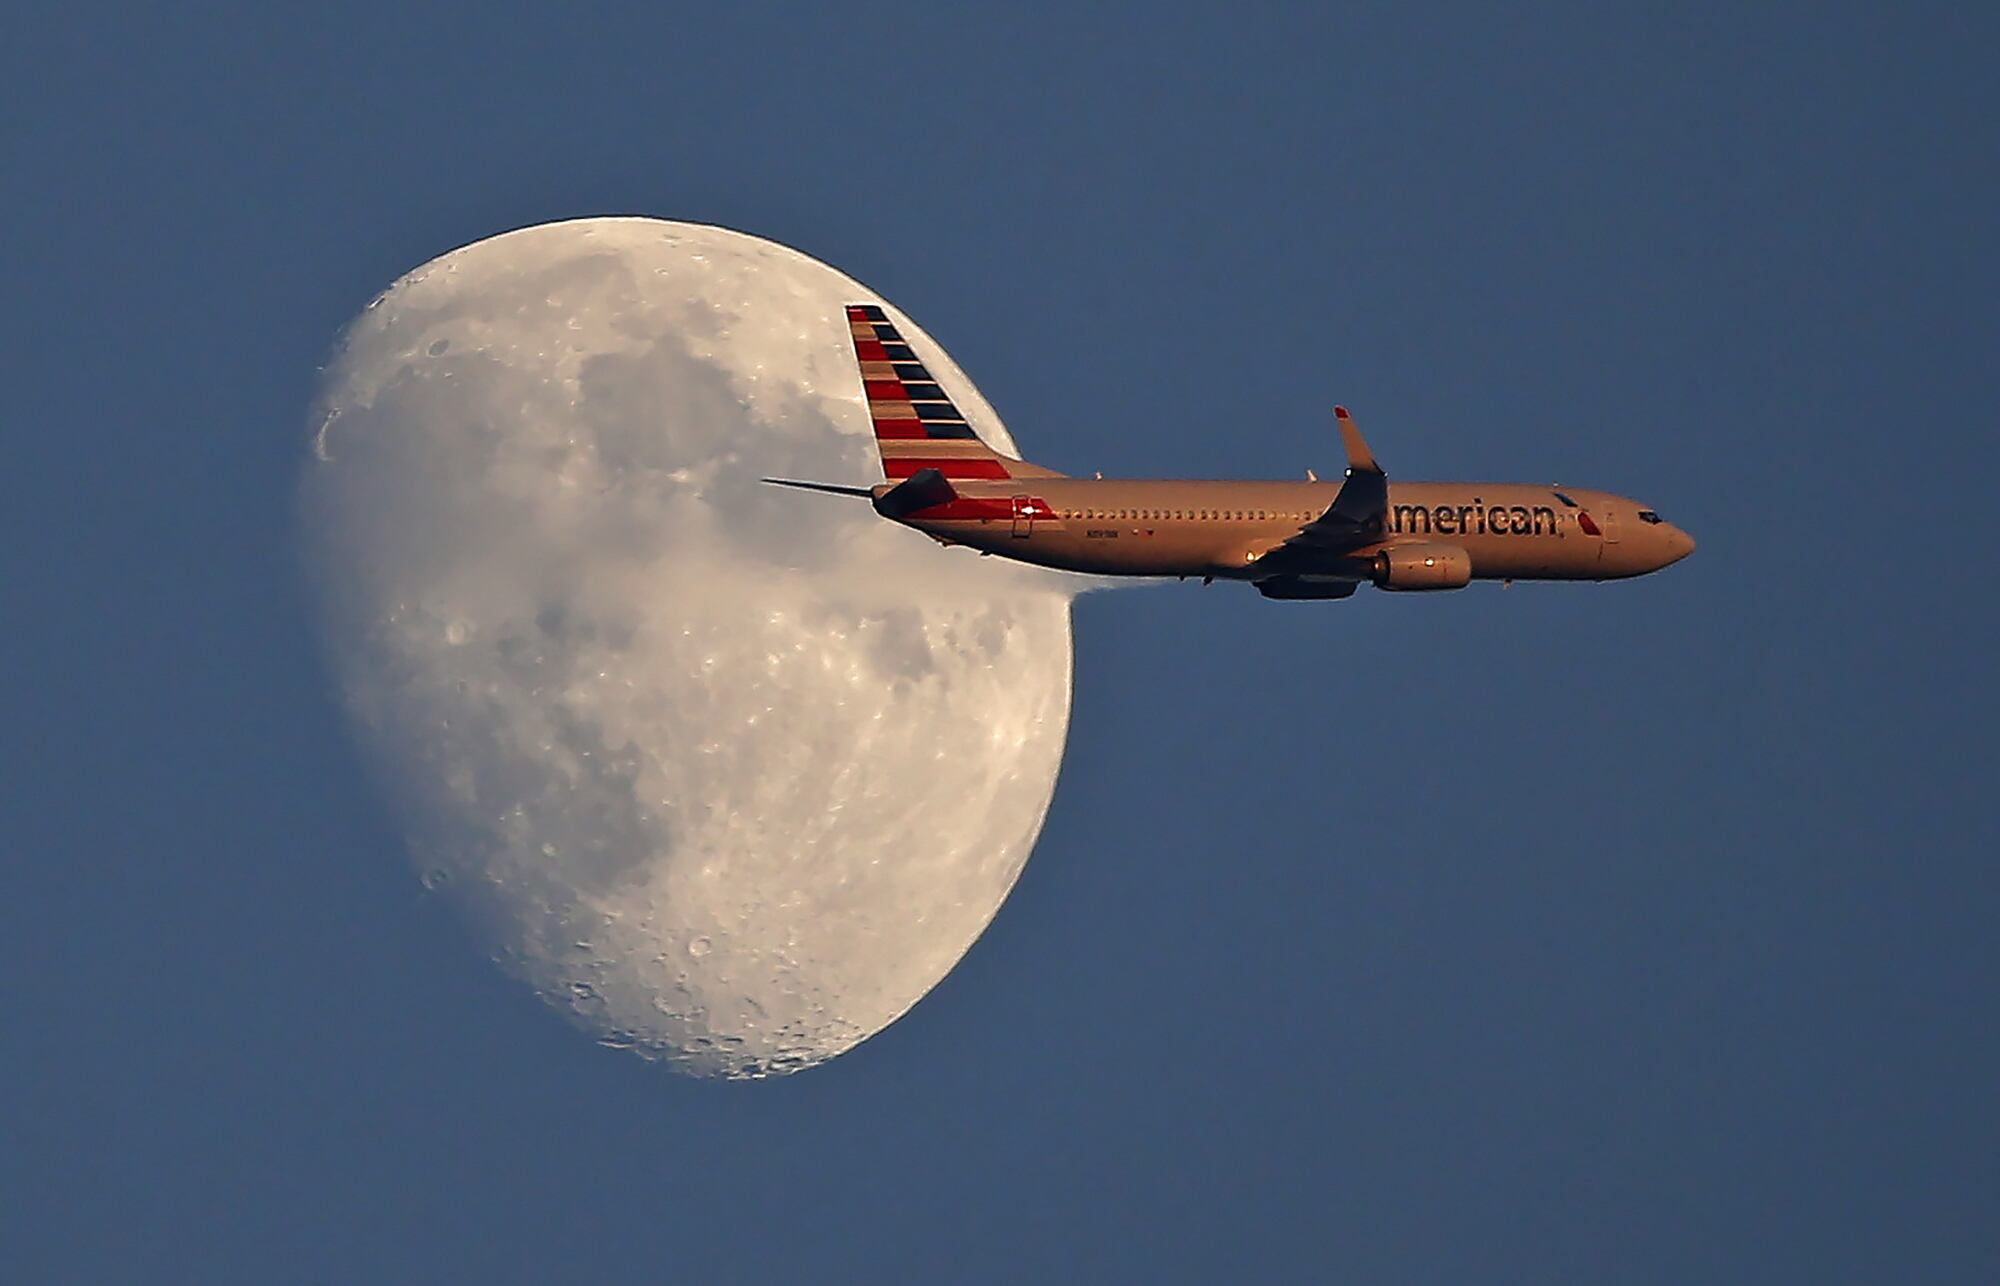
(1641, 932)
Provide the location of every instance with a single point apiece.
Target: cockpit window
(1648, 515)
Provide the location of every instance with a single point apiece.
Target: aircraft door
(1611, 524)
(1024, 517)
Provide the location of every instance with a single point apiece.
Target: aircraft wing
(1356, 518)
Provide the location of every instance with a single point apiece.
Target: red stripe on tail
(960, 467)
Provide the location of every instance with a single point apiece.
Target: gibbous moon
(733, 775)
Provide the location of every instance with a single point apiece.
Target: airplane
(1292, 540)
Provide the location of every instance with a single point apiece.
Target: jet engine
(1422, 566)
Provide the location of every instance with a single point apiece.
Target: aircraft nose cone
(1679, 545)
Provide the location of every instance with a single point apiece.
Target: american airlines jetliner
(1292, 540)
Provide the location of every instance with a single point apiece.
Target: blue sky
(1640, 932)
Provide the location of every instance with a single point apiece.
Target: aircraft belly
(1140, 550)
(1542, 558)
(1114, 549)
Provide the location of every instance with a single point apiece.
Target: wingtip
(1340, 412)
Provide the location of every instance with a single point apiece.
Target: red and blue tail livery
(917, 425)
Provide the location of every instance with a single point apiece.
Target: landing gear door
(1024, 517)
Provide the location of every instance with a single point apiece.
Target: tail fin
(917, 426)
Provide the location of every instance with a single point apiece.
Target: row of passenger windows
(1227, 515)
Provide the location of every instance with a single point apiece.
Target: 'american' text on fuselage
(1475, 519)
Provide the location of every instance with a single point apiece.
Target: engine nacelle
(1422, 566)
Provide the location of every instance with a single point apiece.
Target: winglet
(1359, 458)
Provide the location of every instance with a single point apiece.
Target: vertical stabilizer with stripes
(917, 426)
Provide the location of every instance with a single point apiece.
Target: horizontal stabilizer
(830, 488)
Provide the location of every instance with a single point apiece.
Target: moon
(731, 776)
